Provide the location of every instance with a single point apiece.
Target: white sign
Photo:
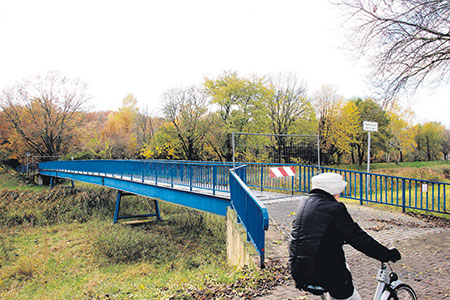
(424, 188)
(370, 126)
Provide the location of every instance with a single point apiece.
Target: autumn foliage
(46, 116)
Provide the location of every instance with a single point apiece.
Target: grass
(98, 260)
(379, 167)
(61, 244)
(10, 180)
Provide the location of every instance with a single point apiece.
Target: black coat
(321, 227)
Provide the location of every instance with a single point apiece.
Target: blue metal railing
(193, 175)
(397, 191)
(23, 168)
(407, 193)
(250, 211)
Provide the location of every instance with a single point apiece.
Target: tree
(43, 112)
(5, 135)
(239, 103)
(409, 40)
(145, 127)
(287, 105)
(347, 130)
(403, 133)
(429, 141)
(91, 144)
(186, 109)
(369, 110)
(164, 144)
(446, 143)
(327, 105)
(119, 131)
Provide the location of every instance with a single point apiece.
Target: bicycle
(389, 287)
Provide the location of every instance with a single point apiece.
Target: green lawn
(61, 244)
(377, 166)
(10, 180)
(61, 262)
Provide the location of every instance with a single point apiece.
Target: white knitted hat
(331, 183)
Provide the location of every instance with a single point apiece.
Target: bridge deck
(128, 184)
(189, 196)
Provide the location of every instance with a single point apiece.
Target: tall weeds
(64, 205)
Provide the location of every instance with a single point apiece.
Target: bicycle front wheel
(403, 292)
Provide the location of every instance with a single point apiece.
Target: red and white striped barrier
(281, 172)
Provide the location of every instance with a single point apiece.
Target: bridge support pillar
(240, 252)
(43, 180)
(121, 194)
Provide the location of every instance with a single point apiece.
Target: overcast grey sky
(147, 47)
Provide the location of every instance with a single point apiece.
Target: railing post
(214, 179)
(156, 173)
(292, 185)
(444, 198)
(262, 177)
(181, 172)
(143, 171)
(299, 178)
(360, 189)
(190, 177)
(131, 173)
(403, 195)
(171, 175)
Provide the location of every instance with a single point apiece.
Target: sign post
(369, 127)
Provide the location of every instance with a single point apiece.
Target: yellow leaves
(147, 152)
(341, 125)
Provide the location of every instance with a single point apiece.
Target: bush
(198, 224)
(54, 206)
(65, 205)
(6, 248)
(123, 244)
(24, 268)
(181, 236)
(446, 172)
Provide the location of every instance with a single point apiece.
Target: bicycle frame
(384, 285)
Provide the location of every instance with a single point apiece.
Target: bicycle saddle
(314, 289)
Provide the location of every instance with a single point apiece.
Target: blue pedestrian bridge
(213, 187)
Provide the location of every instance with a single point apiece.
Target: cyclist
(321, 227)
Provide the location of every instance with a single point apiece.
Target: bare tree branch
(42, 110)
(408, 41)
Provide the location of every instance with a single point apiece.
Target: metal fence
(23, 168)
(251, 213)
(407, 193)
(200, 175)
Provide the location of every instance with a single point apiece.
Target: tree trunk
(360, 155)
(428, 149)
